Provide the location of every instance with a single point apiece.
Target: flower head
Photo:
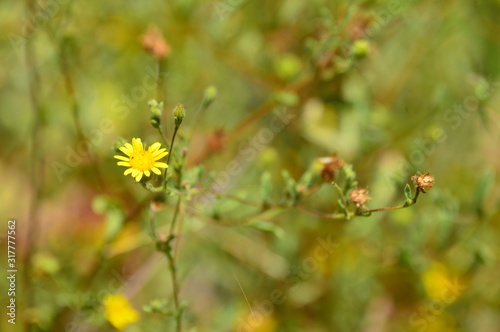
(179, 113)
(423, 182)
(118, 311)
(153, 42)
(359, 197)
(329, 165)
(139, 161)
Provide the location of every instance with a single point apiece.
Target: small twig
(160, 93)
(33, 220)
(165, 178)
(402, 206)
(176, 213)
(332, 216)
(175, 288)
(162, 135)
(152, 226)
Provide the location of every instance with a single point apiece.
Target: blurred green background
(393, 87)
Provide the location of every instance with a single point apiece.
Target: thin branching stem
(332, 216)
(175, 288)
(32, 226)
(165, 178)
(402, 206)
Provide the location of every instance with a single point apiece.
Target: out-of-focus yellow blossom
(118, 311)
(435, 279)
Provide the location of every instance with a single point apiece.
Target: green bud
(118, 144)
(152, 103)
(408, 195)
(179, 113)
(155, 122)
(156, 110)
(209, 96)
(360, 48)
(288, 66)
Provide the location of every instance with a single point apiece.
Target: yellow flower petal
(137, 144)
(159, 156)
(139, 177)
(147, 173)
(158, 164)
(128, 171)
(154, 147)
(156, 170)
(128, 152)
(123, 163)
(122, 158)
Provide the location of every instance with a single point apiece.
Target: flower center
(142, 160)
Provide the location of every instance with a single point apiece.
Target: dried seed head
(359, 197)
(329, 166)
(423, 182)
(153, 42)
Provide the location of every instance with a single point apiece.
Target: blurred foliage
(391, 87)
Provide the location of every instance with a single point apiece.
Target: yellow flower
(118, 311)
(140, 161)
(435, 279)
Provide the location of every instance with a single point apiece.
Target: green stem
(175, 288)
(152, 226)
(162, 135)
(161, 81)
(172, 143)
(176, 214)
(170, 155)
(173, 269)
(331, 216)
(33, 220)
(402, 206)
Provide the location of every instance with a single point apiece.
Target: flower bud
(209, 96)
(360, 48)
(179, 114)
(118, 144)
(155, 122)
(156, 110)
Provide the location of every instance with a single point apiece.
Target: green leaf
(115, 219)
(350, 176)
(269, 227)
(266, 188)
(408, 195)
(290, 188)
(483, 188)
(343, 209)
(306, 179)
(114, 216)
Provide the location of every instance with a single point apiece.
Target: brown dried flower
(423, 182)
(153, 42)
(359, 197)
(330, 165)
